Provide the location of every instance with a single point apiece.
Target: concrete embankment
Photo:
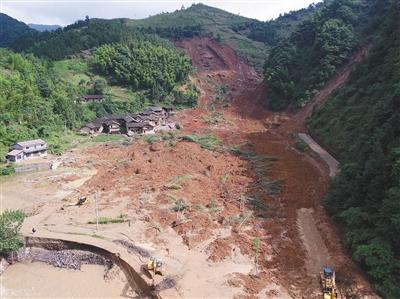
(72, 255)
(137, 282)
(332, 163)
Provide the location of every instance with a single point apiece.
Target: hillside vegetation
(361, 124)
(11, 29)
(251, 38)
(39, 98)
(301, 64)
(82, 35)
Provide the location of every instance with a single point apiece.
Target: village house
(140, 127)
(129, 124)
(92, 128)
(25, 150)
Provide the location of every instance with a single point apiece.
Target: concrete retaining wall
(32, 167)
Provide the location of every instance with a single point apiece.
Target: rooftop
(14, 152)
(31, 142)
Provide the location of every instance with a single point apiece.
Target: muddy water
(39, 280)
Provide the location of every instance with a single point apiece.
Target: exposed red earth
(209, 245)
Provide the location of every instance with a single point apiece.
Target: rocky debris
(133, 248)
(70, 259)
(155, 147)
(167, 283)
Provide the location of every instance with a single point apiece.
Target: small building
(140, 127)
(15, 156)
(92, 128)
(25, 150)
(92, 98)
(111, 126)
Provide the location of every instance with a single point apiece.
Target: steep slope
(251, 38)
(300, 65)
(360, 123)
(11, 29)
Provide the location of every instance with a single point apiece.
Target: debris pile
(70, 259)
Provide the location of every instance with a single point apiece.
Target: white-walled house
(25, 150)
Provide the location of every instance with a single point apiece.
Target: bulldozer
(328, 283)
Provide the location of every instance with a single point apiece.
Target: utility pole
(97, 211)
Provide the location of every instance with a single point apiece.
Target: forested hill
(11, 29)
(360, 123)
(301, 64)
(252, 39)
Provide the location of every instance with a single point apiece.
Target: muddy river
(40, 280)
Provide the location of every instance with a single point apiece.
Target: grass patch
(206, 141)
(213, 206)
(260, 164)
(108, 138)
(214, 118)
(179, 206)
(110, 220)
(151, 139)
(176, 182)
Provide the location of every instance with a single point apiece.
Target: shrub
(7, 170)
(10, 225)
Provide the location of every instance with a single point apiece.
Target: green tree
(10, 225)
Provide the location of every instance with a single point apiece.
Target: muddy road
(301, 234)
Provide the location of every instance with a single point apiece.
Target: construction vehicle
(153, 268)
(328, 283)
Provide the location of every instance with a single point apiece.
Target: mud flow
(40, 280)
(228, 203)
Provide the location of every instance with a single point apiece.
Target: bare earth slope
(208, 247)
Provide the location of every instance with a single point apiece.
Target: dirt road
(304, 238)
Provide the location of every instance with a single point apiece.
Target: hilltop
(11, 29)
(252, 39)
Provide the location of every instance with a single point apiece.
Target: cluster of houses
(26, 150)
(151, 120)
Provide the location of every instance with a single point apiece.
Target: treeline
(272, 32)
(82, 35)
(146, 66)
(142, 66)
(361, 124)
(174, 32)
(301, 64)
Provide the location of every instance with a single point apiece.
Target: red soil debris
(212, 183)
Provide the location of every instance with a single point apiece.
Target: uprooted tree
(10, 225)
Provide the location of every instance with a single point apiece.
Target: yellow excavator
(328, 283)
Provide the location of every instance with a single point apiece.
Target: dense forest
(11, 29)
(360, 123)
(143, 66)
(301, 64)
(82, 35)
